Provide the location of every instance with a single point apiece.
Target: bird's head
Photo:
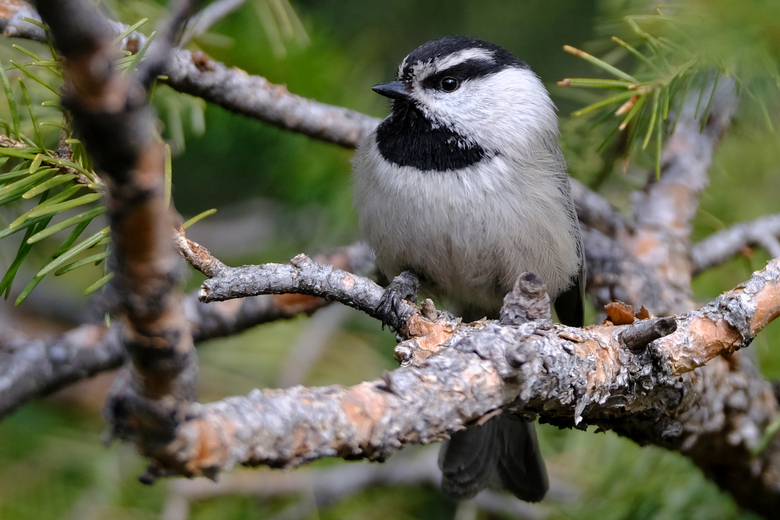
(473, 91)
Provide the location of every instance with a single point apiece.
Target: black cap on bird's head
(437, 50)
(459, 57)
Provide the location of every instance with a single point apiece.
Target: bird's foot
(403, 287)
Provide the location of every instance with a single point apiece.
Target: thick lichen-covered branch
(569, 377)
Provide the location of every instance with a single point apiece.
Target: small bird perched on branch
(464, 187)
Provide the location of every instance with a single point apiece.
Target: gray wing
(568, 304)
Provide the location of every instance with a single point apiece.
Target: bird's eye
(449, 84)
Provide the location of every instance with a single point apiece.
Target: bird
(464, 188)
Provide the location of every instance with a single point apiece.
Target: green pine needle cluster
(62, 180)
(671, 64)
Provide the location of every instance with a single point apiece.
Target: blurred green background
(280, 194)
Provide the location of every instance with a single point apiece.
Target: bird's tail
(503, 450)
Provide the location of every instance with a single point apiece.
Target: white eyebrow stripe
(423, 69)
(464, 55)
(401, 67)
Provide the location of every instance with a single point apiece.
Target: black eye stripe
(469, 69)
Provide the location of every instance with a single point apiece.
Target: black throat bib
(408, 138)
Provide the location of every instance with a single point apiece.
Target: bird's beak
(393, 90)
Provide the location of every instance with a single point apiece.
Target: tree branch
(219, 319)
(720, 246)
(567, 376)
(301, 276)
(31, 368)
(111, 114)
(254, 96)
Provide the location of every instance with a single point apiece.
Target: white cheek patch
(494, 111)
(431, 102)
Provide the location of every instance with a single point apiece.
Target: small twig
(301, 276)
(642, 332)
(196, 255)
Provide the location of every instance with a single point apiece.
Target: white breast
(470, 233)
